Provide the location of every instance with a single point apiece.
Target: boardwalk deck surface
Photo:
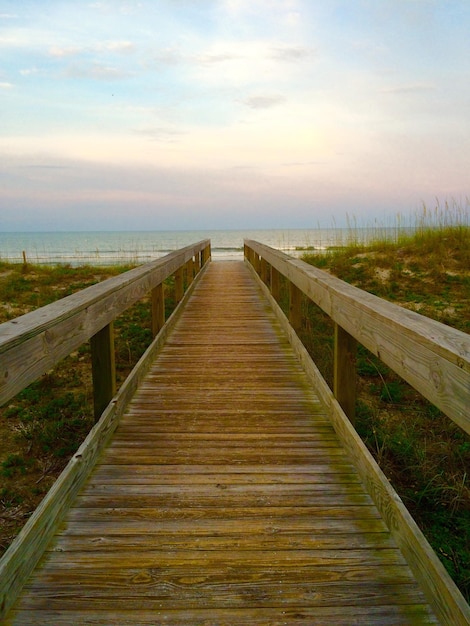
(224, 497)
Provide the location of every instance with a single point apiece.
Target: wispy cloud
(62, 52)
(411, 88)
(168, 135)
(123, 47)
(291, 53)
(97, 71)
(120, 47)
(6, 85)
(264, 102)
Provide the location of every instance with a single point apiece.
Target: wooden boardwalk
(225, 496)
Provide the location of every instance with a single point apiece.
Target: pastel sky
(196, 114)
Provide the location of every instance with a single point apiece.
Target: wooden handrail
(33, 343)
(432, 357)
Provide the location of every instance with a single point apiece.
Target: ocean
(136, 247)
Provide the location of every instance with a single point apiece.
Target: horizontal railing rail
(32, 344)
(432, 357)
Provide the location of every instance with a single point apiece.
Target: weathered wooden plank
(358, 517)
(389, 615)
(246, 541)
(318, 616)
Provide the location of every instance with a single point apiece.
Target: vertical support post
(344, 382)
(264, 270)
(197, 262)
(190, 271)
(158, 308)
(179, 285)
(275, 284)
(295, 307)
(103, 368)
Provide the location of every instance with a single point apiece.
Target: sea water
(118, 247)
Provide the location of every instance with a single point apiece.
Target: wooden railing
(30, 345)
(432, 357)
(33, 343)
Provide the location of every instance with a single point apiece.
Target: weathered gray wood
(275, 283)
(432, 357)
(264, 271)
(316, 616)
(441, 592)
(33, 343)
(344, 375)
(103, 368)
(179, 284)
(22, 556)
(189, 271)
(158, 308)
(295, 307)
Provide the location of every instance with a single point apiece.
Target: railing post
(197, 262)
(257, 263)
(275, 284)
(206, 254)
(295, 307)
(264, 270)
(158, 308)
(179, 285)
(103, 368)
(344, 381)
(189, 271)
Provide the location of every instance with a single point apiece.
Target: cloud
(6, 85)
(264, 102)
(123, 47)
(291, 53)
(60, 52)
(411, 88)
(29, 71)
(97, 71)
(232, 63)
(169, 135)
